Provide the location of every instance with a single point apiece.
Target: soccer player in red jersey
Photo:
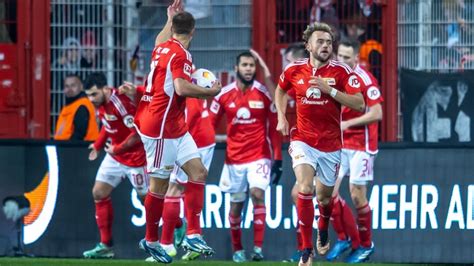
(248, 107)
(360, 132)
(160, 121)
(125, 157)
(321, 86)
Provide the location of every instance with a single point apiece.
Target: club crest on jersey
(256, 104)
(354, 82)
(110, 117)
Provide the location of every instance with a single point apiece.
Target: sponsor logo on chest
(256, 104)
(110, 117)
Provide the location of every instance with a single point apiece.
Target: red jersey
(363, 138)
(199, 122)
(116, 116)
(318, 115)
(248, 117)
(160, 113)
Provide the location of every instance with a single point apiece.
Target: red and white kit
(117, 120)
(203, 133)
(250, 138)
(361, 142)
(316, 140)
(160, 118)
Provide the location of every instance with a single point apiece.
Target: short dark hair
(183, 23)
(351, 43)
(317, 26)
(97, 79)
(243, 54)
(72, 75)
(297, 50)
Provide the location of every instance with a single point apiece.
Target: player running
(321, 86)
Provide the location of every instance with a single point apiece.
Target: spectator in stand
(77, 119)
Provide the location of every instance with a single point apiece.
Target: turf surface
(82, 262)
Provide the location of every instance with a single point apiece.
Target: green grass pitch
(83, 262)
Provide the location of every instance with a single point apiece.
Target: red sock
(170, 218)
(236, 232)
(154, 209)
(324, 215)
(305, 210)
(194, 202)
(350, 227)
(259, 214)
(104, 215)
(336, 218)
(299, 238)
(364, 220)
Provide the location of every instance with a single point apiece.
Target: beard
(322, 59)
(244, 81)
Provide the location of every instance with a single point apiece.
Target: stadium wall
(422, 201)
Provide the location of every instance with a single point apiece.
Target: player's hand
(256, 55)
(215, 89)
(93, 154)
(127, 88)
(174, 8)
(277, 170)
(109, 148)
(283, 126)
(320, 84)
(345, 125)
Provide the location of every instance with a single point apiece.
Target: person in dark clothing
(77, 118)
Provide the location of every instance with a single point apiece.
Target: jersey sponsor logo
(231, 105)
(354, 82)
(146, 98)
(330, 81)
(187, 69)
(312, 96)
(215, 107)
(256, 104)
(128, 121)
(313, 93)
(110, 117)
(373, 93)
(243, 117)
(300, 82)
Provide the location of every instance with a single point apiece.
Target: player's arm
(276, 141)
(374, 114)
(188, 89)
(132, 139)
(354, 101)
(165, 33)
(266, 73)
(281, 101)
(215, 112)
(98, 144)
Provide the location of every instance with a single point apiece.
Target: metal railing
(435, 35)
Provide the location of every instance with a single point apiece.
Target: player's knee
(257, 196)
(238, 197)
(201, 175)
(99, 194)
(323, 199)
(305, 188)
